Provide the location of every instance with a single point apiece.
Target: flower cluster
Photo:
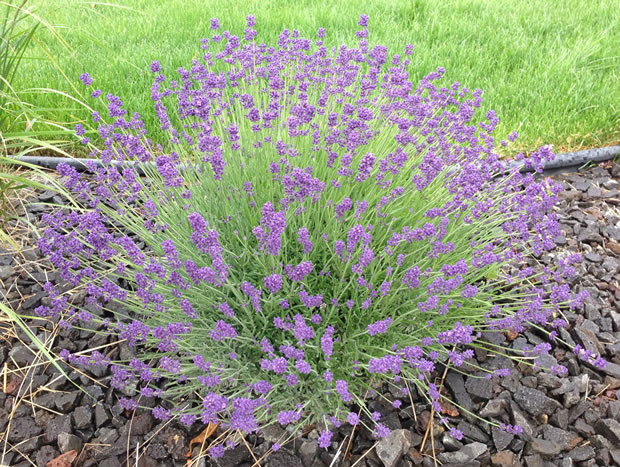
(315, 224)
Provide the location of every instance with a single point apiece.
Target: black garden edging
(565, 162)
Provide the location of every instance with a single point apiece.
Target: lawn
(549, 69)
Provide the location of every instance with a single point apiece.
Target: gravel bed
(571, 420)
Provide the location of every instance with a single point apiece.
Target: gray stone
(494, 408)
(479, 387)
(589, 340)
(571, 398)
(391, 448)
(273, 433)
(68, 442)
(535, 402)
(613, 410)
(23, 428)
(82, 417)
(577, 411)
(308, 451)
(106, 436)
(6, 257)
(456, 384)
(450, 443)
(549, 381)
(59, 424)
(611, 264)
(467, 454)
(33, 301)
(472, 432)
(581, 453)
(560, 419)
(282, 458)
(141, 423)
(6, 272)
(610, 429)
(501, 439)
(101, 415)
(612, 369)
(391, 420)
(543, 447)
(593, 257)
(109, 461)
(584, 428)
(240, 454)
(22, 355)
(565, 439)
(519, 418)
(67, 401)
(590, 234)
(45, 454)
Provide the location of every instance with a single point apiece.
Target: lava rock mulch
(571, 420)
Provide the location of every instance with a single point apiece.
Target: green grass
(549, 69)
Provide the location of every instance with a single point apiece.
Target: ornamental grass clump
(317, 226)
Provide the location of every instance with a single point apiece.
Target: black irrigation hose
(562, 162)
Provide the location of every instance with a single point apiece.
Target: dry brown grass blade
(202, 437)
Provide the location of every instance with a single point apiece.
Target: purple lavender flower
(289, 416)
(378, 327)
(304, 240)
(222, 330)
(327, 342)
(86, 79)
(159, 413)
(273, 283)
(381, 431)
(325, 439)
(216, 451)
(352, 418)
(342, 390)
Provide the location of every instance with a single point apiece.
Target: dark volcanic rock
(60, 424)
(69, 442)
(543, 447)
(494, 408)
(234, 456)
(46, 454)
(283, 458)
(501, 439)
(82, 417)
(308, 451)
(67, 402)
(479, 387)
(535, 402)
(23, 428)
(565, 439)
(610, 429)
(455, 382)
(466, 454)
(581, 453)
(393, 446)
(473, 432)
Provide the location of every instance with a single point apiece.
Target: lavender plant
(323, 226)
